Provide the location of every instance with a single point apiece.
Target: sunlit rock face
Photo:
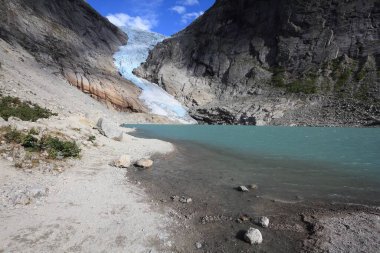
(275, 62)
(154, 97)
(75, 41)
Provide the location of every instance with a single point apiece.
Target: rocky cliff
(278, 62)
(75, 40)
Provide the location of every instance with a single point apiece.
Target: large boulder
(253, 236)
(110, 129)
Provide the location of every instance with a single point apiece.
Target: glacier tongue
(155, 98)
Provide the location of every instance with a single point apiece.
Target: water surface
(288, 163)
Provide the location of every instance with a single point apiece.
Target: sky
(163, 16)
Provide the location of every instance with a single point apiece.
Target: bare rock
(144, 163)
(253, 236)
(262, 221)
(123, 162)
(109, 129)
(185, 200)
(243, 188)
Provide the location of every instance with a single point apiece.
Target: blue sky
(162, 16)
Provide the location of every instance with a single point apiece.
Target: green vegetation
(55, 146)
(27, 111)
(306, 86)
(278, 77)
(91, 138)
(59, 148)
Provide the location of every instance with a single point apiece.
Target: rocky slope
(275, 62)
(74, 39)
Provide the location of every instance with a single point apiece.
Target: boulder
(253, 236)
(123, 162)
(109, 129)
(262, 221)
(144, 163)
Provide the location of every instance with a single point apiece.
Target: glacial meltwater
(289, 164)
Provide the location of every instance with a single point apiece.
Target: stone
(198, 245)
(123, 162)
(13, 119)
(109, 128)
(262, 221)
(253, 236)
(253, 186)
(174, 198)
(144, 163)
(243, 188)
(2, 120)
(185, 200)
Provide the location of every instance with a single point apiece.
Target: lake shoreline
(294, 227)
(296, 224)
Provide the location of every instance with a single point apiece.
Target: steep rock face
(275, 62)
(73, 38)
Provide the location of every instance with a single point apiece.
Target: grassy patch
(27, 111)
(56, 147)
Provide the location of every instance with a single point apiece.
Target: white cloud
(122, 19)
(179, 9)
(189, 2)
(187, 17)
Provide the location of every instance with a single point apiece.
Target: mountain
(72, 38)
(275, 62)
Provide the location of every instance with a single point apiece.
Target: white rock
(198, 245)
(185, 200)
(109, 128)
(253, 236)
(262, 221)
(144, 163)
(243, 188)
(123, 162)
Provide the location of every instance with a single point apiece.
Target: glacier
(154, 97)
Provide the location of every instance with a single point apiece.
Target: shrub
(56, 147)
(27, 111)
(12, 135)
(53, 145)
(30, 142)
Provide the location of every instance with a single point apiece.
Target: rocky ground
(83, 204)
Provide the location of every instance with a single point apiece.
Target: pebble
(198, 245)
(185, 200)
(253, 186)
(243, 188)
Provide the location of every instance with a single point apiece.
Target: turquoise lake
(288, 163)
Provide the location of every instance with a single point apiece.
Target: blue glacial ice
(154, 97)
